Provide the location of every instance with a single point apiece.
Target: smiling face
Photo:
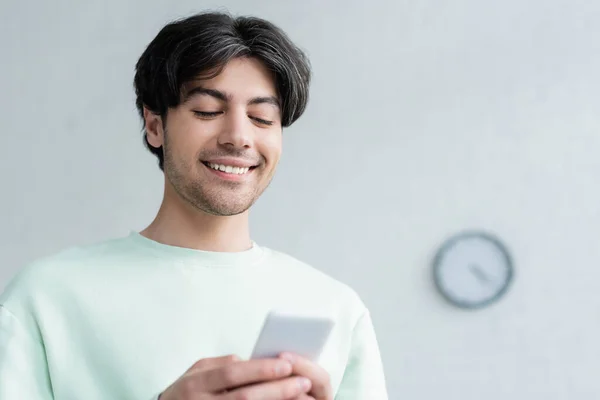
(223, 142)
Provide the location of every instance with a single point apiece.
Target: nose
(236, 131)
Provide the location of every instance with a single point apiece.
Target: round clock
(472, 270)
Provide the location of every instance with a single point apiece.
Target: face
(222, 144)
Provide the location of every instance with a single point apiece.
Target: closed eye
(207, 114)
(262, 121)
(213, 114)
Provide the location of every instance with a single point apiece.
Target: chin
(226, 212)
(220, 208)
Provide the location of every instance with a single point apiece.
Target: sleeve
(23, 367)
(364, 377)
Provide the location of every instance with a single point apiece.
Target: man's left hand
(319, 377)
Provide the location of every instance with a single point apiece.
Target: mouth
(229, 171)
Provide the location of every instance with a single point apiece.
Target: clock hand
(479, 274)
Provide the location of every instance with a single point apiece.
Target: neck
(178, 223)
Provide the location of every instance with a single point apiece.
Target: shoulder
(42, 274)
(299, 273)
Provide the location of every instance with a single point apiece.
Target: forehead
(241, 79)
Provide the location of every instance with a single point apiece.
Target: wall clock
(472, 269)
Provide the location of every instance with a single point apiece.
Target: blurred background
(426, 118)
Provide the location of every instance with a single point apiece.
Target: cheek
(184, 142)
(273, 143)
(271, 148)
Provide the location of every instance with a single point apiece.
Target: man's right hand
(229, 378)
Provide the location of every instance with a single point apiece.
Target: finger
(238, 374)
(212, 363)
(321, 386)
(304, 397)
(283, 389)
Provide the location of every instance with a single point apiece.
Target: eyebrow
(224, 97)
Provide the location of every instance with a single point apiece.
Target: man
(173, 312)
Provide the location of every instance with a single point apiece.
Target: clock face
(472, 270)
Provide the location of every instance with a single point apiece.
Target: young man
(173, 312)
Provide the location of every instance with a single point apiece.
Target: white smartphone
(305, 336)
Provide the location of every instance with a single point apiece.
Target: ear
(154, 128)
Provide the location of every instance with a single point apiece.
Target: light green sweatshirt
(125, 318)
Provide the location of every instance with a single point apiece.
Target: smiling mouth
(228, 168)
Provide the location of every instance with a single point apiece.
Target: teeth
(229, 169)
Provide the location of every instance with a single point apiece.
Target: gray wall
(426, 118)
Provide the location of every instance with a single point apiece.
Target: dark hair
(198, 47)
